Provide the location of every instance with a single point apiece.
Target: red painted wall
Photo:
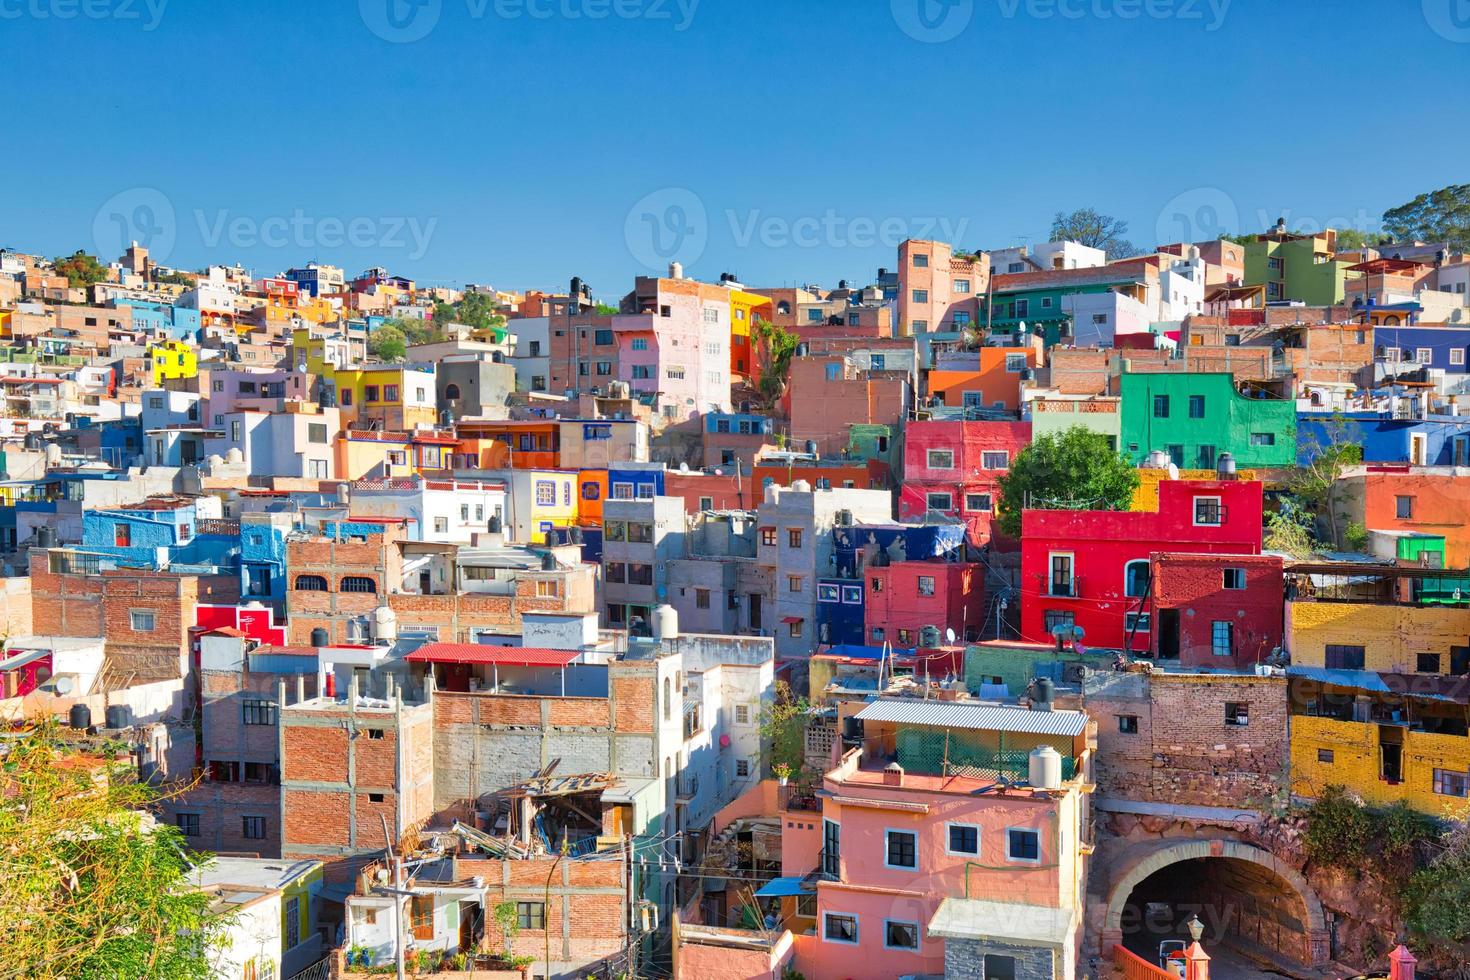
(894, 603)
(1103, 542)
(1194, 587)
(969, 442)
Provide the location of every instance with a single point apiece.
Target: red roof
(479, 653)
(788, 620)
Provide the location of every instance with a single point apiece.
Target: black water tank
(495, 524)
(576, 535)
(45, 537)
(80, 717)
(119, 716)
(320, 637)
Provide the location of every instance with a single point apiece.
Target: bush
(1339, 829)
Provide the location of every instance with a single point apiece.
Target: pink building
(906, 596)
(936, 291)
(950, 839)
(954, 468)
(674, 338)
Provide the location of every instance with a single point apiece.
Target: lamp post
(1196, 960)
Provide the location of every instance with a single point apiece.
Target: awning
(788, 620)
(782, 888)
(1007, 922)
(19, 659)
(479, 653)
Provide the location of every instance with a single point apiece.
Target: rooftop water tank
(665, 623)
(385, 624)
(1045, 768)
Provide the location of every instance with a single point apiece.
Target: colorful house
(989, 377)
(1214, 612)
(539, 501)
(1297, 267)
(172, 359)
(954, 469)
(1197, 417)
(397, 396)
(1090, 569)
(744, 309)
(1410, 499)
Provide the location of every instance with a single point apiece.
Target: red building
(955, 468)
(1213, 612)
(786, 468)
(906, 596)
(711, 491)
(1091, 568)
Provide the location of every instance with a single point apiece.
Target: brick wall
(587, 913)
(1192, 586)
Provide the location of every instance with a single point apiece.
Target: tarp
(782, 888)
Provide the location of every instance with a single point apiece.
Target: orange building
(993, 382)
(515, 444)
(591, 492)
(1416, 499)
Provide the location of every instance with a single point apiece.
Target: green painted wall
(1258, 432)
(1016, 666)
(864, 442)
(1298, 276)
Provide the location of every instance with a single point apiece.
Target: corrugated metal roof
(986, 717)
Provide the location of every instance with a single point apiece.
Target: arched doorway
(1244, 895)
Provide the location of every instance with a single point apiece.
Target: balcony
(686, 788)
(1067, 588)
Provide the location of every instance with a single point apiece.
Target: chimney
(893, 776)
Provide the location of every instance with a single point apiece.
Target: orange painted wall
(992, 380)
(1440, 503)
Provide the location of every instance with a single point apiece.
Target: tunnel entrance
(1248, 901)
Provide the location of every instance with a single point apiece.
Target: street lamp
(1196, 927)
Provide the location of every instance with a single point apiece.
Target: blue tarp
(782, 888)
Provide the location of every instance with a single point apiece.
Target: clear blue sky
(782, 140)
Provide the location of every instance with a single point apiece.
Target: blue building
(263, 557)
(1437, 440)
(842, 595)
(175, 322)
(1440, 347)
(737, 422)
(633, 481)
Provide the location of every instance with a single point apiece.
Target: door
(755, 610)
(1391, 753)
(188, 452)
(426, 582)
(1168, 634)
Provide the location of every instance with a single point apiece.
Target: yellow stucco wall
(1392, 636)
(1146, 494)
(1354, 754)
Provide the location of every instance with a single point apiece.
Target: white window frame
(918, 936)
(1457, 356)
(857, 928)
(152, 620)
(979, 834)
(1071, 557)
(929, 459)
(1219, 512)
(938, 493)
(1424, 355)
(985, 461)
(1015, 860)
(901, 867)
(1127, 565)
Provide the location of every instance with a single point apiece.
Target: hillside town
(1005, 612)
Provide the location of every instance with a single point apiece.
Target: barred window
(311, 583)
(260, 712)
(357, 583)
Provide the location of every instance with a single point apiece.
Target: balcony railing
(829, 864)
(686, 787)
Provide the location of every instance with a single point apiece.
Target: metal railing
(1135, 967)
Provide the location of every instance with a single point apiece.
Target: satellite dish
(949, 634)
(63, 685)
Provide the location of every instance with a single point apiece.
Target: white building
(273, 930)
(1045, 257)
(443, 511)
(532, 357)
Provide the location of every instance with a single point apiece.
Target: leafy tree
(604, 310)
(475, 309)
(783, 725)
(388, 344)
(1328, 454)
(81, 269)
(1086, 226)
(1286, 534)
(176, 279)
(1352, 239)
(1438, 216)
(779, 345)
(1076, 468)
(91, 892)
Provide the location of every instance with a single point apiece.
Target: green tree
(176, 279)
(1074, 469)
(1438, 216)
(81, 269)
(475, 309)
(1088, 226)
(1352, 239)
(388, 344)
(783, 726)
(91, 891)
(604, 310)
(1329, 450)
(778, 346)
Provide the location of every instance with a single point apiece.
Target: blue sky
(520, 142)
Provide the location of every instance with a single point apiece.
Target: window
(795, 630)
(1058, 617)
(1176, 454)
(1206, 457)
(141, 620)
(1237, 714)
(370, 393)
(1233, 578)
(316, 432)
(1015, 363)
(902, 849)
(1427, 663)
(979, 502)
(900, 935)
(837, 928)
(602, 338)
(1447, 782)
(1325, 755)
(1424, 355)
(390, 393)
(1457, 356)
(1023, 845)
(1207, 511)
(877, 361)
(620, 491)
(1060, 582)
(1403, 508)
(793, 583)
(852, 595)
(1135, 578)
(1222, 637)
(441, 525)
(921, 261)
(357, 583)
(1263, 438)
(1161, 406)
(999, 967)
(742, 768)
(926, 585)
(1196, 406)
(259, 712)
(531, 915)
(793, 537)
(964, 838)
(545, 493)
(936, 500)
(940, 459)
(1137, 622)
(995, 460)
(122, 535)
(235, 431)
(311, 583)
(188, 824)
(155, 401)
(1344, 657)
(742, 714)
(701, 598)
(347, 397)
(1128, 724)
(768, 537)
(252, 828)
(828, 593)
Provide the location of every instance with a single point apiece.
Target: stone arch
(1134, 874)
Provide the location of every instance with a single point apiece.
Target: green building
(1053, 416)
(1195, 417)
(1296, 267)
(1038, 303)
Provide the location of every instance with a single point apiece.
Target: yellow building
(399, 397)
(1389, 638)
(5, 323)
(172, 359)
(744, 308)
(1383, 763)
(1146, 494)
(365, 455)
(541, 500)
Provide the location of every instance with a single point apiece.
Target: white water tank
(385, 624)
(801, 486)
(1045, 768)
(665, 622)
